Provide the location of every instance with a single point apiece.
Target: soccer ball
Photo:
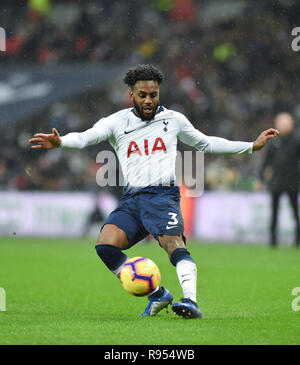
(140, 276)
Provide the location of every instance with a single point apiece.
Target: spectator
(228, 76)
(281, 171)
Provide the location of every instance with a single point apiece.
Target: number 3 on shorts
(174, 220)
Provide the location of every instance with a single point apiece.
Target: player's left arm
(210, 144)
(264, 137)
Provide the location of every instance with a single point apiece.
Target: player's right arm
(47, 141)
(74, 140)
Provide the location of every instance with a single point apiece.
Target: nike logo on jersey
(127, 132)
(168, 227)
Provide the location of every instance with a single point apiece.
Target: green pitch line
(59, 292)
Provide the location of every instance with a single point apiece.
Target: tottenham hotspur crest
(165, 123)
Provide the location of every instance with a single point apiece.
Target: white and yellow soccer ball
(140, 276)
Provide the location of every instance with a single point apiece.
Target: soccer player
(144, 137)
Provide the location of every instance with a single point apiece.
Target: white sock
(118, 270)
(187, 275)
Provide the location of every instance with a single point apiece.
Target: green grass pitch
(59, 292)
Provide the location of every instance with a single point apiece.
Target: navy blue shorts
(157, 213)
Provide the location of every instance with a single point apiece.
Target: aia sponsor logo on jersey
(134, 148)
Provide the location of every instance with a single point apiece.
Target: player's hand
(264, 137)
(47, 141)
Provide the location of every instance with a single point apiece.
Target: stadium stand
(229, 71)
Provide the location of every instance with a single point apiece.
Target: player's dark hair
(143, 73)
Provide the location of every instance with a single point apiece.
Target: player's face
(145, 96)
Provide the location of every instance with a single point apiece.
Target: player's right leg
(112, 240)
(120, 232)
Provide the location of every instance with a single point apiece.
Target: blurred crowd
(228, 67)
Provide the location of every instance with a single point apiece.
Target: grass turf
(59, 292)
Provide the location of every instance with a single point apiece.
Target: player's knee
(114, 236)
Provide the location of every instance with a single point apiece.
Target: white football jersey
(147, 149)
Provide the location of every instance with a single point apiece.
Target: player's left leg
(161, 216)
(186, 270)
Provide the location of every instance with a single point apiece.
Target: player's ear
(131, 94)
